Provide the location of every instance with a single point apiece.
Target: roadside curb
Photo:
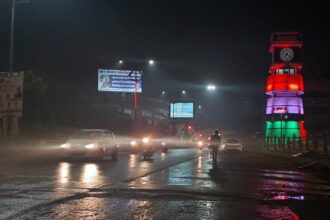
(299, 160)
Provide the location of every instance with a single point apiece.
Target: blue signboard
(119, 81)
(181, 110)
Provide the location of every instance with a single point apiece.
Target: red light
(275, 66)
(303, 132)
(189, 127)
(293, 86)
(285, 82)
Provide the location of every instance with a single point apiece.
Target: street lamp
(163, 92)
(199, 107)
(210, 87)
(120, 61)
(151, 62)
(183, 92)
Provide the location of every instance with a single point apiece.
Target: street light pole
(12, 33)
(12, 30)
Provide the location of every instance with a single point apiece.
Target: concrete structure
(285, 86)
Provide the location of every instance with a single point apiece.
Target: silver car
(92, 143)
(232, 144)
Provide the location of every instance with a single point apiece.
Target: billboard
(119, 80)
(11, 94)
(181, 110)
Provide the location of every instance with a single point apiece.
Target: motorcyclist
(215, 142)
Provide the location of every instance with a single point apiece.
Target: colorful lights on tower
(285, 86)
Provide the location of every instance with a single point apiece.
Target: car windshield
(86, 135)
(232, 141)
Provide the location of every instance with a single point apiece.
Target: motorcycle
(147, 153)
(164, 150)
(164, 147)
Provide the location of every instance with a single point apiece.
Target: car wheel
(100, 154)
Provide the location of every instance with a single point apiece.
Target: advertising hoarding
(182, 110)
(118, 81)
(11, 94)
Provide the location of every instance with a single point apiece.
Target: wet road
(176, 185)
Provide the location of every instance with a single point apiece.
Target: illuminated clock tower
(285, 87)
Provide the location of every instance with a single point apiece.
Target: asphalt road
(176, 185)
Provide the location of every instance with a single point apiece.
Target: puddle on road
(161, 208)
(277, 212)
(192, 173)
(283, 196)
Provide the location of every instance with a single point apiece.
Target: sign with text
(181, 110)
(119, 80)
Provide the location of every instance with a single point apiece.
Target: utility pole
(12, 31)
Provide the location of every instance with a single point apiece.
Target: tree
(34, 85)
(35, 89)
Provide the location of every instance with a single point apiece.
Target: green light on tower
(288, 129)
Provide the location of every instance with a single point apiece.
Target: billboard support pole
(136, 77)
(135, 99)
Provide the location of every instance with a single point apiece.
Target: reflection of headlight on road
(200, 143)
(133, 143)
(145, 140)
(90, 146)
(66, 146)
(163, 144)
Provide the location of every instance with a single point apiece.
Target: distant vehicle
(91, 143)
(232, 144)
(145, 146)
(140, 144)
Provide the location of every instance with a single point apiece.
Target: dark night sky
(193, 42)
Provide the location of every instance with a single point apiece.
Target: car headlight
(90, 146)
(163, 144)
(66, 146)
(145, 140)
(200, 143)
(133, 143)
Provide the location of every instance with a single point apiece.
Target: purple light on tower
(283, 105)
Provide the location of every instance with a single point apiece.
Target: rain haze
(175, 109)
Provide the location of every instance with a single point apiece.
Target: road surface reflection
(90, 173)
(63, 173)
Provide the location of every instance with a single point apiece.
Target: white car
(95, 143)
(232, 144)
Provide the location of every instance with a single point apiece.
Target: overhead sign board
(182, 110)
(119, 80)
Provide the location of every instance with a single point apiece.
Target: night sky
(192, 42)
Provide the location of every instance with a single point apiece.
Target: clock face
(286, 54)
